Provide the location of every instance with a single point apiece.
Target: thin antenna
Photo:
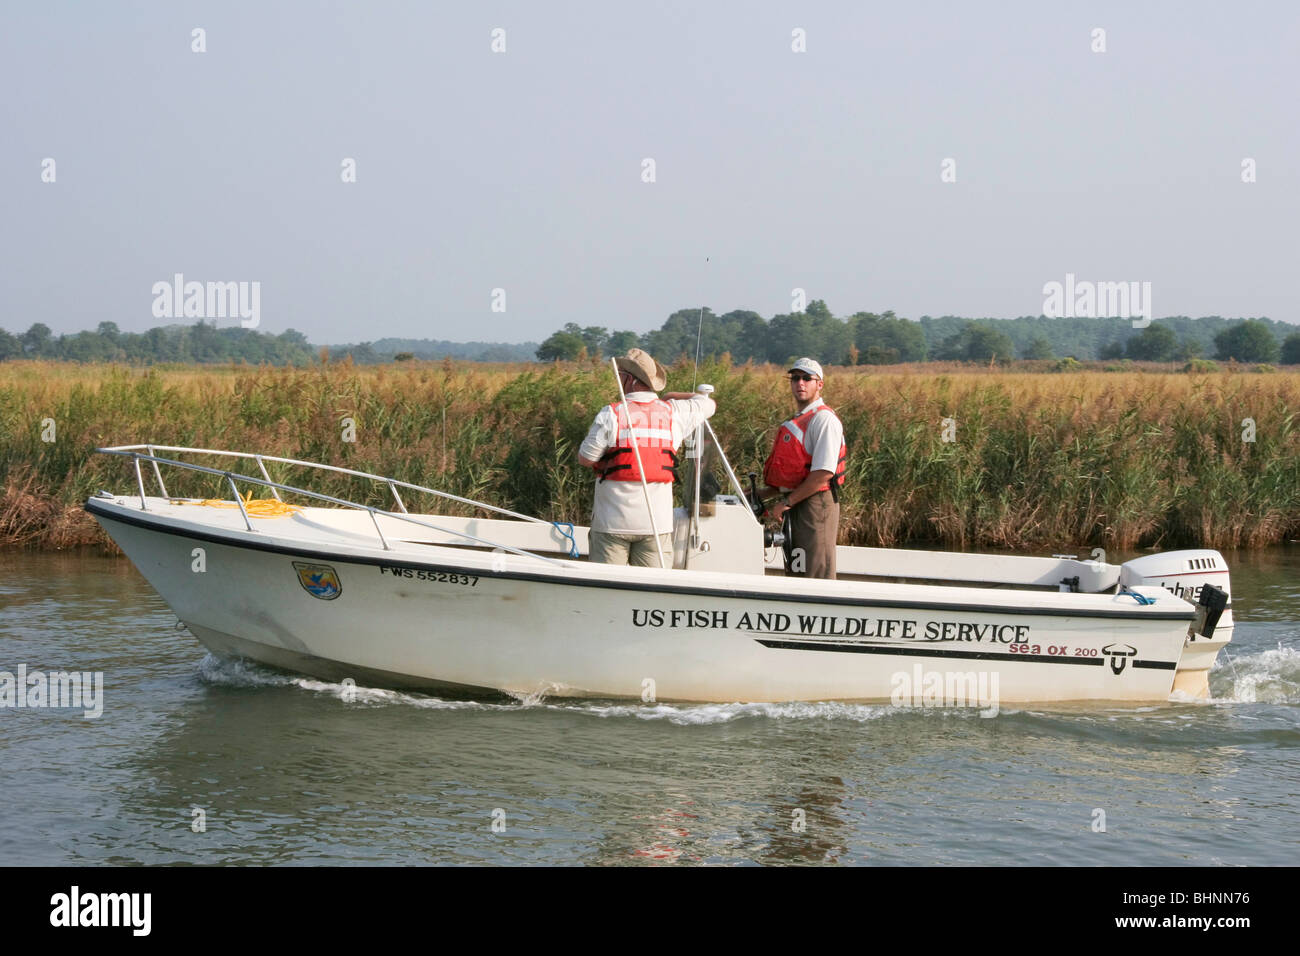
(699, 332)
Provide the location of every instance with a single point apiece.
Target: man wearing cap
(806, 468)
(621, 529)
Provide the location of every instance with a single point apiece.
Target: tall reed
(1075, 460)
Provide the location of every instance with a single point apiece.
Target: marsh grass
(1120, 460)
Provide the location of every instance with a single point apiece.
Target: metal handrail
(744, 499)
(119, 449)
(129, 451)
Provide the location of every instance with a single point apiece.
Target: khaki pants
(637, 550)
(814, 525)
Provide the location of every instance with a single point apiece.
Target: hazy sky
(523, 170)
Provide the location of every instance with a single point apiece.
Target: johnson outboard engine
(1198, 577)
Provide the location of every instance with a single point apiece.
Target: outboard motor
(1199, 577)
(1181, 572)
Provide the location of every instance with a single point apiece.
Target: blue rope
(1141, 599)
(573, 542)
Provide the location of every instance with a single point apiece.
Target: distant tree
(403, 356)
(86, 347)
(110, 331)
(10, 346)
(1038, 348)
(830, 339)
(789, 337)
(1111, 350)
(1155, 343)
(890, 333)
(593, 336)
(620, 342)
(1290, 349)
(720, 334)
(676, 336)
(817, 309)
(987, 343)
(363, 354)
(1248, 341)
(497, 353)
(1189, 349)
(977, 342)
(880, 355)
(205, 344)
(38, 340)
(751, 337)
(561, 345)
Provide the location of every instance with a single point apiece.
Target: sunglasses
(803, 378)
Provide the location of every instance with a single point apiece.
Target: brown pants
(814, 524)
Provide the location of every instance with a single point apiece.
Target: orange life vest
(790, 462)
(653, 424)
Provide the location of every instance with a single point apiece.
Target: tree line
(201, 343)
(864, 338)
(867, 338)
(205, 343)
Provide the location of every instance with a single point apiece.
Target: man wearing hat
(621, 529)
(806, 468)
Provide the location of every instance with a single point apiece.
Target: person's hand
(777, 509)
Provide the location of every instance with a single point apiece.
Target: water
(288, 770)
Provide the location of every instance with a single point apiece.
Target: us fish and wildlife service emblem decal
(319, 580)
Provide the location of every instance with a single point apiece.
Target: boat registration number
(435, 577)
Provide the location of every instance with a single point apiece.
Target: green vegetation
(1250, 341)
(866, 338)
(1290, 352)
(1155, 343)
(863, 338)
(200, 343)
(1061, 461)
(205, 344)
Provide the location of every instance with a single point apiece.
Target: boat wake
(1261, 677)
(237, 672)
(227, 672)
(703, 714)
(1264, 677)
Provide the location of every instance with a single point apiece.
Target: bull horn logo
(1119, 655)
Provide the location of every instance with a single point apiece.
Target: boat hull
(468, 623)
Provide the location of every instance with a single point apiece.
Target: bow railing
(148, 453)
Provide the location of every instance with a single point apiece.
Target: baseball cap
(809, 366)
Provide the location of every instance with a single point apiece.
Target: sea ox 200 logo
(319, 580)
(1119, 655)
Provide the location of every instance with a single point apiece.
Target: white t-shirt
(620, 505)
(822, 439)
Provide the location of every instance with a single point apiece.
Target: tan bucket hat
(645, 368)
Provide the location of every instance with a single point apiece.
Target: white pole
(697, 446)
(697, 449)
(731, 474)
(636, 450)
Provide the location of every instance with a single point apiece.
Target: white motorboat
(509, 604)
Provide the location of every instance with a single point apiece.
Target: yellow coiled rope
(257, 508)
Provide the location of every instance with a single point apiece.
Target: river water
(198, 760)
